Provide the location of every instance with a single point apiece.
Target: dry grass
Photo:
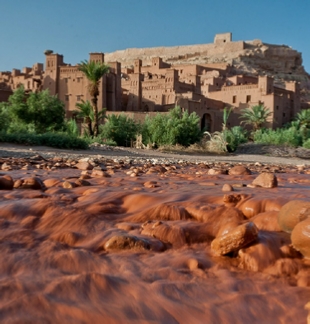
(211, 143)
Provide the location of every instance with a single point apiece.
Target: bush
(58, 140)
(71, 128)
(121, 129)
(290, 136)
(306, 144)
(234, 137)
(39, 112)
(176, 127)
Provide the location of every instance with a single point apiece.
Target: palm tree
(94, 71)
(85, 111)
(226, 113)
(255, 116)
(303, 118)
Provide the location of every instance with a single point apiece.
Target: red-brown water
(58, 265)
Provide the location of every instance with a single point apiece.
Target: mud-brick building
(30, 78)
(206, 89)
(242, 92)
(70, 84)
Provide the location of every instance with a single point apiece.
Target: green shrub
(121, 129)
(234, 137)
(37, 111)
(281, 136)
(176, 127)
(306, 144)
(71, 128)
(58, 140)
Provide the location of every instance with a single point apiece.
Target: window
(283, 114)
(66, 80)
(78, 98)
(67, 97)
(248, 98)
(277, 107)
(78, 79)
(234, 99)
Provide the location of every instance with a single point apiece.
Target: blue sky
(75, 27)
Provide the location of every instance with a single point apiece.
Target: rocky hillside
(249, 57)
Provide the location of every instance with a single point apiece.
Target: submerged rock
(301, 238)
(292, 213)
(239, 170)
(132, 242)
(236, 239)
(6, 183)
(29, 183)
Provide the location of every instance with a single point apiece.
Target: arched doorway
(206, 122)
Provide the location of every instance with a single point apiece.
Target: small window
(78, 98)
(248, 99)
(66, 80)
(283, 114)
(277, 107)
(234, 99)
(67, 97)
(78, 79)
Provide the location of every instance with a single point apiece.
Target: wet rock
(131, 242)
(227, 187)
(6, 167)
(150, 184)
(216, 171)
(301, 238)
(84, 165)
(100, 173)
(6, 183)
(30, 183)
(267, 221)
(51, 182)
(82, 183)
(292, 213)
(236, 239)
(166, 233)
(68, 185)
(266, 180)
(193, 264)
(266, 251)
(232, 200)
(85, 176)
(239, 170)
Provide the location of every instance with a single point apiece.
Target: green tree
(45, 111)
(4, 117)
(38, 111)
(255, 116)
(94, 71)
(303, 118)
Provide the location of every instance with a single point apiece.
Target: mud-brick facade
(207, 90)
(70, 84)
(30, 78)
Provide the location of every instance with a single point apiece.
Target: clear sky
(76, 27)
